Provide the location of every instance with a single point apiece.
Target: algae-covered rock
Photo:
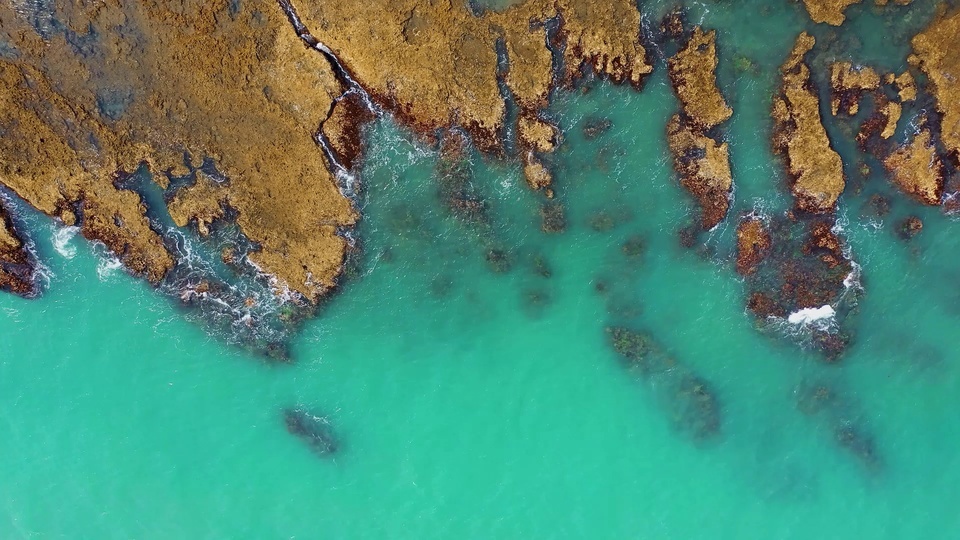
(799, 136)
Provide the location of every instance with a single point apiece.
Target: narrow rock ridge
(701, 160)
(340, 134)
(799, 137)
(798, 262)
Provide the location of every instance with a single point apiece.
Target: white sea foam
(811, 315)
(853, 278)
(62, 241)
(107, 267)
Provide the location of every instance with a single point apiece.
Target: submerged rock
(698, 409)
(541, 267)
(315, 431)
(634, 246)
(632, 346)
(499, 261)
(601, 222)
(688, 399)
(880, 205)
(553, 218)
(595, 127)
(753, 244)
(535, 302)
(837, 416)
(910, 227)
(803, 278)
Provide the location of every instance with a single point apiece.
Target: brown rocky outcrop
(828, 11)
(181, 88)
(848, 83)
(435, 65)
(813, 165)
(937, 52)
(832, 11)
(702, 162)
(704, 168)
(753, 244)
(916, 169)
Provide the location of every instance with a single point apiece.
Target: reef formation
(91, 92)
(249, 118)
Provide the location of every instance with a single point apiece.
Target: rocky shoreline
(270, 149)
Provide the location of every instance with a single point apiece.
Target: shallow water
(472, 403)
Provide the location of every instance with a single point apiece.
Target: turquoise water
(470, 403)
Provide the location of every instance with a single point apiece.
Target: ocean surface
(478, 396)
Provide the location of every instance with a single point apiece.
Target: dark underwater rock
(634, 246)
(541, 267)
(313, 430)
(553, 218)
(688, 399)
(697, 409)
(499, 261)
(594, 127)
(837, 415)
(910, 227)
(535, 302)
(601, 222)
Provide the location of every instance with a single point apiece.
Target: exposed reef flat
(702, 162)
(937, 52)
(117, 84)
(17, 268)
(849, 82)
(831, 11)
(916, 169)
(828, 11)
(799, 136)
(435, 65)
(103, 89)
